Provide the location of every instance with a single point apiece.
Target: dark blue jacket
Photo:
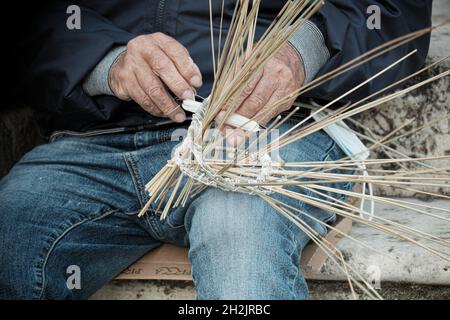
(57, 59)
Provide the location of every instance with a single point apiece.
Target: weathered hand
(151, 64)
(282, 75)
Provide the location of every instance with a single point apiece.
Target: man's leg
(241, 248)
(70, 206)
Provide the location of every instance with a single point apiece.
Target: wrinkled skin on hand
(282, 75)
(150, 66)
(156, 63)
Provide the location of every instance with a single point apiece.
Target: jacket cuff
(97, 82)
(310, 45)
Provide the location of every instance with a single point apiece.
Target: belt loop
(139, 139)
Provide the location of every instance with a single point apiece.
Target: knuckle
(254, 103)
(284, 72)
(170, 110)
(180, 52)
(180, 86)
(131, 46)
(135, 44)
(121, 94)
(189, 70)
(158, 35)
(156, 91)
(160, 38)
(146, 101)
(247, 90)
(121, 77)
(159, 63)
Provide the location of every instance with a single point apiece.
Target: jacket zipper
(160, 15)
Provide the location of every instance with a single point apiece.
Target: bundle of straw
(236, 63)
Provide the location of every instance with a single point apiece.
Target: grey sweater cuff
(97, 82)
(310, 44)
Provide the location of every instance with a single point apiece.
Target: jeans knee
(18, 278)
(241, 248)
(227, 217)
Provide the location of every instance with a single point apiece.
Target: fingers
(234, 136)
(259, 98)
(151, 66)
(154, 89)
(166, 70)
(136, 93)
(182, 60)
(171, 61)
(248, 90)
(269, 115)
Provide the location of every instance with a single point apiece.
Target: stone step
(423, 106)
(319, 290)
(396, 260)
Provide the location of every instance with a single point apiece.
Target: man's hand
(151, 64)
(282, 75)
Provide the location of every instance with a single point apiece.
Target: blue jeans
(74, 200)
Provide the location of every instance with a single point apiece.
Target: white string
(363, 200)
(189, 158)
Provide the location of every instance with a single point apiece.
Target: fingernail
(196, 81)
(188, 95)
(239, 140)
(236, 139)
(180, 117)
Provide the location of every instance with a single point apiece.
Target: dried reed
(238, 60)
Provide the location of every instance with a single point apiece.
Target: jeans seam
(171, 225)
(132, 168)
(328, 157)
(329, 150)
(58, 239)
(293, 250)
(137, 181)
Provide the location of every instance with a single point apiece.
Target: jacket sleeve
(344, 25)
(56, 60)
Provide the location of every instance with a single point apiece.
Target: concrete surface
(425, 105)
(407, 263)
(319, 290)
